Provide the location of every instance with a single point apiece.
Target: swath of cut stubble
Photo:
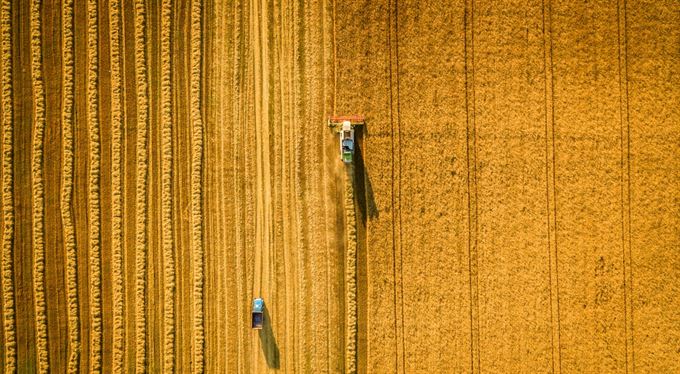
(8, 307)
(196, 187)
(350, 276)
(94, 202)
(116, 191)
(166, 191)
(67, 188)
(141, 187)
(38, 189)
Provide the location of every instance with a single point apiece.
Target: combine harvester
(344, 126)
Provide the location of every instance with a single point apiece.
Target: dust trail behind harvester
(350, 274)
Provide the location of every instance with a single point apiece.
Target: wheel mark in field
(550, 187)
(324, 183)
(94, 202)
(299, 92)
(67, 187)
(392, 45)
(471, 151)
(116, 190)
(141, 187)
(398, 181)
(38, 187)
(196, 187)
(626, 245)
(286, 115)
(168, 243)
(8, 287)
(237, 151)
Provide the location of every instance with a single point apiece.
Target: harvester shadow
(268, 341)
(362, 183)
(367, 210)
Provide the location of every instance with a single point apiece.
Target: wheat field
(513, 204)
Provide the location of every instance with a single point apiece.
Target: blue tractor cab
(258, 313)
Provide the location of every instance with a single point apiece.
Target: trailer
(344, 126)
(258, 313)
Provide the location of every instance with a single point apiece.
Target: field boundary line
(196, 187)
(94, 188)
(550, 186)
(38, 187)
(141, 245)
(167, 232)
(626, 241)
(8, 286)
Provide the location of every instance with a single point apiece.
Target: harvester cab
(258, 313)
(344, 126)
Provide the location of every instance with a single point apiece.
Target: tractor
(258, 313)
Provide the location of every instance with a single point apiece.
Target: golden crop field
(513, 205)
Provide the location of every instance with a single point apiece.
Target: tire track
(299, 94)
(334, 215)
(94, 185)
(285, 50)
(8, 287)
(550, 186)
(181, 183)
(117, 266)
(141, 245)
(227, 114)
(155, 271)
(397, 257)
(258, 193)
(167, 160)
(288, 316)
(626, 242)
(37, 166)
(55, 254)
(68, 221)
(238, 157)
(197, 254)
(214, 177)
(471, 151)
(350, 275)
(312, 49)
(249, 178)
(334, 355)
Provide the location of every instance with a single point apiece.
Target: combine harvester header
(344, 126)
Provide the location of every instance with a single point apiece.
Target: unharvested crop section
(511, 172)
(512, 206)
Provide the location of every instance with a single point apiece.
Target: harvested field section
(511, 206)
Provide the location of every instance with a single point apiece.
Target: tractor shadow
(268, 341)
(362, 182)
